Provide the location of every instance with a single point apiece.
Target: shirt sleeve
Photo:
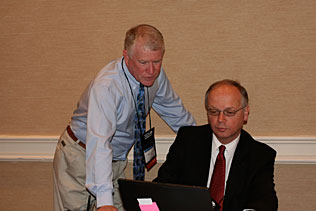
(101, 126)
(169, 106)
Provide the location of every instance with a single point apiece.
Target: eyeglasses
(226, 112)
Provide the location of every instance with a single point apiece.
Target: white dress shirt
(229, 154)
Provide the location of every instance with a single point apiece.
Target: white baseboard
(292, 150)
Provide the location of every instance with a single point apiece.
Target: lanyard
(134, 98)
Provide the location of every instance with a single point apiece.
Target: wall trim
(291, 150)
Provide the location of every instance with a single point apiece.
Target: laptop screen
(168, 197)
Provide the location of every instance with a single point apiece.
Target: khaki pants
(69, 177)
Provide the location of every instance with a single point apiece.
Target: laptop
(168, 197)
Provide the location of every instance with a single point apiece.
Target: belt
(73, 137)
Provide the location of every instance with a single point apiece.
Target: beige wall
(51, 49)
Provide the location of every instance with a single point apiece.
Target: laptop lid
(168, 197)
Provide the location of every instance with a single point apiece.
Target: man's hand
(107, 208)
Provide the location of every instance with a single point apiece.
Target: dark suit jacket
(250, 183)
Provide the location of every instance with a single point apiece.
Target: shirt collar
(230, 148)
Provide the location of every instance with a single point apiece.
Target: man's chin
(148, 83)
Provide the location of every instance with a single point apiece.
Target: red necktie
(218, 178)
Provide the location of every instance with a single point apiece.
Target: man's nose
(151, 68)
(221, 117)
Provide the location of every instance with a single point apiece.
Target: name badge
(149, 148)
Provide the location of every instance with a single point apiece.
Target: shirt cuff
(104, 198)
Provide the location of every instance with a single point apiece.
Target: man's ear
(246, 114)
(126, 58)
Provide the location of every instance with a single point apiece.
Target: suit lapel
(237, 173)
(204, 156)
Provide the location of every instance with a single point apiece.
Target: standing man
(222, 156)
(92, 151)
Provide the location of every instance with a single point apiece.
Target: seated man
(222, 156)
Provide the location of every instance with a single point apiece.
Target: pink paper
(149, 207)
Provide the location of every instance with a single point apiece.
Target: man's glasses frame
(226, 112)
